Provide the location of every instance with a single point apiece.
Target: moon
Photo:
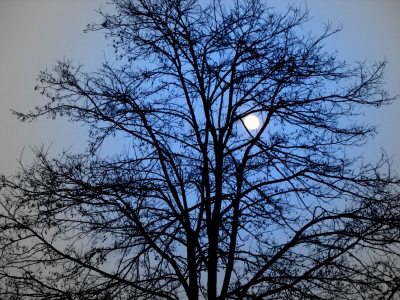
(251, 122)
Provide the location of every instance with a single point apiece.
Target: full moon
(251, 122)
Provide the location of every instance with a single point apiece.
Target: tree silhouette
(197, 206)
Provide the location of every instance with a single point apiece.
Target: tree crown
(201, 206)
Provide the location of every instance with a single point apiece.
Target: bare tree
(197, 205)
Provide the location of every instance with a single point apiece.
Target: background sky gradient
(34, 33)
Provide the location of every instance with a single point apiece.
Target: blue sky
(34, 33)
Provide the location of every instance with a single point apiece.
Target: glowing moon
(251, 122)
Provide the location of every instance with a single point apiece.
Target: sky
(34, 33)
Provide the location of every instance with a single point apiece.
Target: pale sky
(34, 33)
